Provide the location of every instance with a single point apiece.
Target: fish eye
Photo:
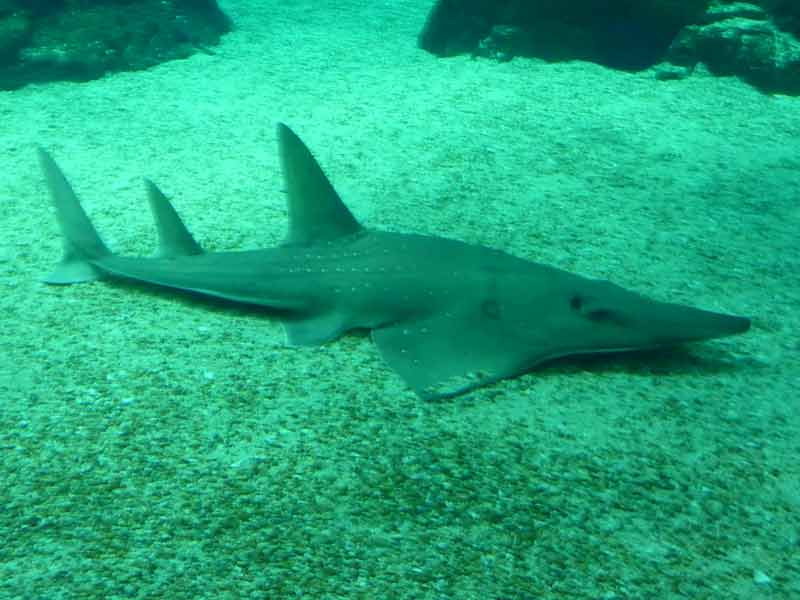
(600, 315)
(578, 303)
(609, 316)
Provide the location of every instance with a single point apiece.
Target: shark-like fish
(445, 315)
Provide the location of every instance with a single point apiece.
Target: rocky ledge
(758, 41)
(79, 40)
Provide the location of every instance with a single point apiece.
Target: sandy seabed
(153, 447)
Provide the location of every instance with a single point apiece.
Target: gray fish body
(392, 275)
(446, 316)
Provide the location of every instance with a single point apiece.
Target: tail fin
(174, 238)
(82, 244)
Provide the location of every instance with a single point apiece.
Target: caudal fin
(82, 244)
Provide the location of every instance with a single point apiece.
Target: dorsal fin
(174, 238)
(316, 213)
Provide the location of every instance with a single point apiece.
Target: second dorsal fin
(174, 238)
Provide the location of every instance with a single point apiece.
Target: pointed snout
(617, 319)
(668, 323)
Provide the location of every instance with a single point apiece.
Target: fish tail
(82, 244)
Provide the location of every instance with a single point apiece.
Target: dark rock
(626, 34)
(759, 41)
(456, 26)
(15, 31)
(670, 72)
(84, 39)
(740, 39)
